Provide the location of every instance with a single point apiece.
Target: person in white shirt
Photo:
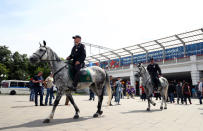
(49, 86)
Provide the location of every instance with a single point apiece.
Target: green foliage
(3, 71)
(17, 66)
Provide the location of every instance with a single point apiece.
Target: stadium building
(180, 57)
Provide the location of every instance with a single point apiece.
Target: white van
(14, 87)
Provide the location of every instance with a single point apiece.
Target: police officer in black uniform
(78, 54)
(155, 72)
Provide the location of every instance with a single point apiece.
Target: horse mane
(54, 55)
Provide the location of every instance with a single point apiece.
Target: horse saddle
(84, 75)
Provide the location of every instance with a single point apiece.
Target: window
(27, 84)
(4, 85)
(21, 84)
(13, 84)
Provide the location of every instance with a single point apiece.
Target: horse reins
(40, 57)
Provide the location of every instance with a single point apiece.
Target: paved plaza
(17, 114)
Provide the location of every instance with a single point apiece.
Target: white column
(132, 77)
(195, 73)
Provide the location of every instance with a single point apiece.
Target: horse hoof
(46, 121)
(101, 112)
(154, 104)
(95, 115)
(148, 109)
(161, 108)
(76, 116)
(165, 107)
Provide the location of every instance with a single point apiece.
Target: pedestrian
(143, 95)
(194, 92)
(32, 92)
(157, 95)
(91, 95)
(67, 100)
(179, 93)
(200, 92)
(130, 92)
(118, 90)
(122, 95)
(49, 86)
(37, 80)
(186, 93)
(112, 88)
(171, 91)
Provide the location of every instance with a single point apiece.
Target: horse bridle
(139, 73)
(40, 57)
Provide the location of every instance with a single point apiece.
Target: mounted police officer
(155, 72)
(78, 54)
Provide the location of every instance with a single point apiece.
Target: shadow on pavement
(23, 101)
(22, 106)
(39, 123)
(142, 111)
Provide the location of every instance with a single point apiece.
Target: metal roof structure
(177, 40)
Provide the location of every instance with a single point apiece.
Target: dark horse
(62, 79)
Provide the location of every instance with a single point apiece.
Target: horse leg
(162, 101)
(100, 100)
(148, 100)
(165, 102)
(56, 102)
(70, 97)
(152, 102)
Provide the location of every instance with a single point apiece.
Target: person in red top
(186, 93)
(143, 95)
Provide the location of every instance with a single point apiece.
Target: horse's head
(40, 54)
(140, 70)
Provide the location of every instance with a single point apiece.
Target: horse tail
(108, 87)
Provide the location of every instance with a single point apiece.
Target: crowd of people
(184, 91)
(181, 91)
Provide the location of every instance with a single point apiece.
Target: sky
(109, 23)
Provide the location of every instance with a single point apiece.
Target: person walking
(37, 80)
(200, 92)
(171, 91)
(179, 93)
(32, 92)
(112, 88)
(91, 95)
(186, 93)
(143, 95)
(49, 86)
(118, 90)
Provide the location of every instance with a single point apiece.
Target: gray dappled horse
(62, 79)
(148, 87)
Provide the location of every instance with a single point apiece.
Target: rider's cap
(76, 36)
(151, 59)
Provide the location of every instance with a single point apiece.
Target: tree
(3, 72)
(17, 66)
